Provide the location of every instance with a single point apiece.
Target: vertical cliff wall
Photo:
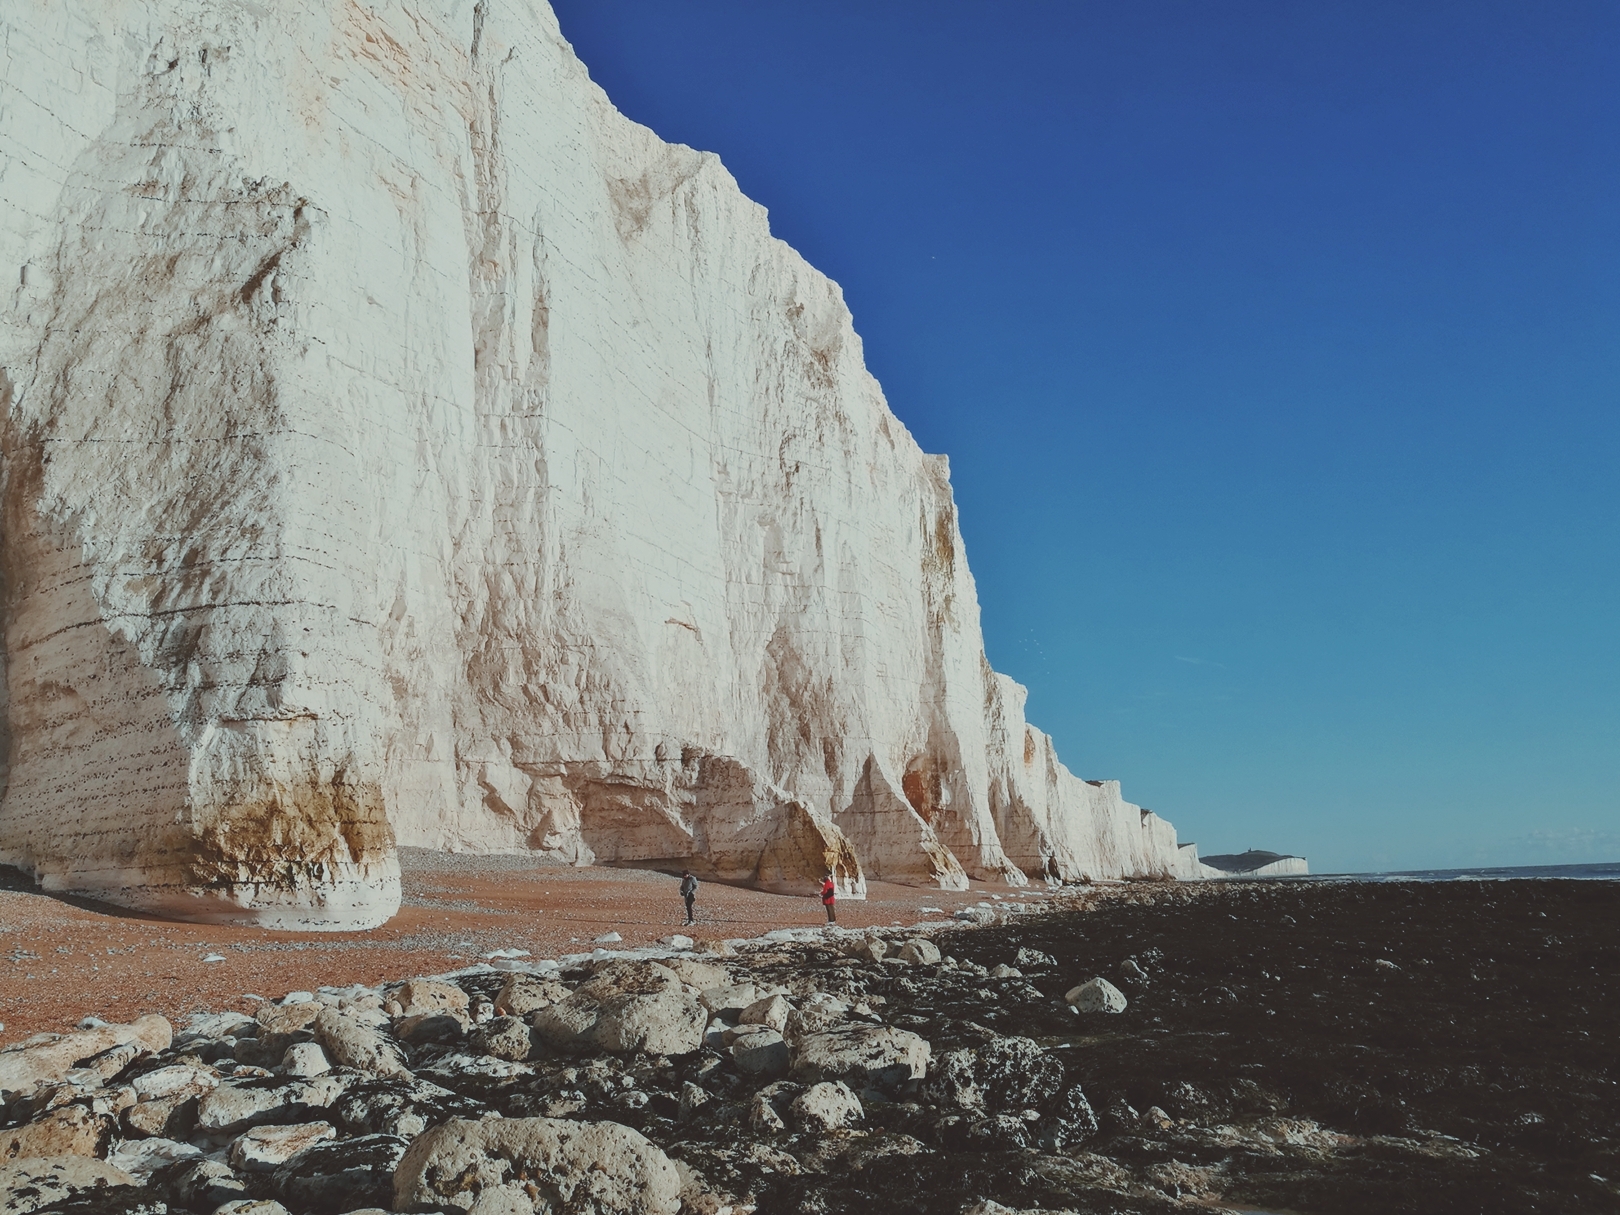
(400, 445)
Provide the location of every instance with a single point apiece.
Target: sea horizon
(1599, 871)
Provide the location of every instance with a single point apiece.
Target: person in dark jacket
(829, 893)
(689, 886)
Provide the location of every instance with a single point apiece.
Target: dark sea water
(1609, 871)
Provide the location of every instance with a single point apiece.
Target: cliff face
(400, 445)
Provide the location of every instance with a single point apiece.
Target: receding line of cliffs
(405, 448)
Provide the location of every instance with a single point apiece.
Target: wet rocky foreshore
(1274, 1046)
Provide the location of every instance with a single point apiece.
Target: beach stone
(1004, 971)
(252, 1206)
(212, 1026)
(714, 1036)
(162, 1117)
(27, 1065)
(729, 999)
(69, 1130)
(869, 949)
(418, 996)
(1096, 996)
(767, 1111)
(1033, 959)
(991, 1207)
(975, 915)
(820, 1012)
(828, 1106)
(763, 1116)
(400, 1106)
(286, 1019)
(235, 1107)
(953, 1081)
(973, 1132)
(333, 1177)
(305, 1059)
(351, 1043)
(1128, 969)
(177, 1079)
(108, 1063)
(920, 951)
(503, 1038)
(763, 1053)
(140, 1158)
(730, 1033)
(693, 1096)
(431, 1028)
(206, 1184)
(771, 1010)
(261, 1149)
(26, 1184)
(536, 1165)
(1073, 1120)
(698, 973)
(525, 994)
(627, 1006)
(1017, 1073)
(677, 940)
(863, 1055)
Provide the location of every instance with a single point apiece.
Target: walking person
(829, 893)
(689, 885)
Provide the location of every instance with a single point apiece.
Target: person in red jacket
(829, 892)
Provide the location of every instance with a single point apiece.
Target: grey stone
(828, 1106)
(420, 996)
(305, 1059)
(330, 1178)
(207, 1184)
(533, 1165)
(627, 1006)
(30, 1183)
(1017, 1073)
(763, 1053)
(261, 1149)
(352, 1043)
(503, 1038)
(523, 995)
(920, 951)
(875, 1055)
(235, 1107)
(770, 1010)
(692, 1097)
(398, 1106)
(1096, 996)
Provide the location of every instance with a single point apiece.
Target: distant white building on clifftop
(1256, 862)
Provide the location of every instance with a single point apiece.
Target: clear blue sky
(1276, 348)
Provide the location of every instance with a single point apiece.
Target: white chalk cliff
(402, 446)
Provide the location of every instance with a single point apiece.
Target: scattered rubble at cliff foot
(1303, 1047)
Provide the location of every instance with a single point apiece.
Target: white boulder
(1096, 996)
(627, 1006)
(827, 1106)
(536, 1165)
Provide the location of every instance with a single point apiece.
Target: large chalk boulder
(627, 1006)
(539, 1165)
(28, 1183)
(861, 1055)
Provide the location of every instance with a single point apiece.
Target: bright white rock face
(402, 446)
